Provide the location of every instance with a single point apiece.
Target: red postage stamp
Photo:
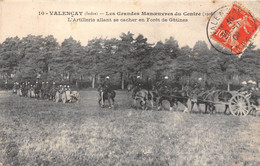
(236, 29)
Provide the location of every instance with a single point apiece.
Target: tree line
(43, 58)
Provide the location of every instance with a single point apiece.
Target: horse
(173, 96)
(142, 95)
(106, 94)
(206, 97)
(223, 96)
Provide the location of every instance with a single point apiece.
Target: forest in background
(41, 58)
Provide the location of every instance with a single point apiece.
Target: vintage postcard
(134, 82)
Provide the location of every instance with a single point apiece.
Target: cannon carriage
(67, 96)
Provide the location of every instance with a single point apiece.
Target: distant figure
(164, 86)
(106, 85)
(138, 85)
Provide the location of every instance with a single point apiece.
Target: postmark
(232, 28)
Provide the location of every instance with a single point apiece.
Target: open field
(41, 132)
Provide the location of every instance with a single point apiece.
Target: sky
(21, 18)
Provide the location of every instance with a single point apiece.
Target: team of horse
(187, 96)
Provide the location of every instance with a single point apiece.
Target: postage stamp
(236, 29)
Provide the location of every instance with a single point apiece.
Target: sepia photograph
(129, 83)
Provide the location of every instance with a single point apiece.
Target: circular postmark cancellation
(233, 28)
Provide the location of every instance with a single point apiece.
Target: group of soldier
(249, 88)
(38, 90)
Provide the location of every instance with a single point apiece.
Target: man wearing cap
(245, 87)
(107, 84)
(37, 89)
(43, 87)
(53, 91)
(165, 86)
(138, 85)
(251, 86)
(68, 92)
(15, 88)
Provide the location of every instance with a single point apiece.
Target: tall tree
(37, 53)
(9, 56)
(185, 64)
(142, 59)
(161, 60)
(124, 55)
(249, 62)
(66, 64)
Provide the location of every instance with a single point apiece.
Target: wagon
(241, 104)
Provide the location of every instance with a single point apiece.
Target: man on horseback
(106, 85)
(138, 85)
(106, 92)
(164, 92)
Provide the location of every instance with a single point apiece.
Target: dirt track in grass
(41, 132)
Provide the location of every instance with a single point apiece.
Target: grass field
(41, 132)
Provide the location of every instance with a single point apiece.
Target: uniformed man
(53, 90)
(107, 84)
(43, 87)
(47, 87)
(255, 86)
(14, 87)
(138, 85)
(165, 86)
(68, 88)
(250, 86)
(244, 87)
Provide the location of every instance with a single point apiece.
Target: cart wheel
(239, 105)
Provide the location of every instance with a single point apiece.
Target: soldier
(14, 88)
(106, 84)
(53, 90)
(68, 88)
(255, 86)
(138, 85)
(250, 86)
(165, 86)
(47, 87)
(43, 87)
(245, 88)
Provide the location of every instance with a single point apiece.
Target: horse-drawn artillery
(66, 95)
(239, 103)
